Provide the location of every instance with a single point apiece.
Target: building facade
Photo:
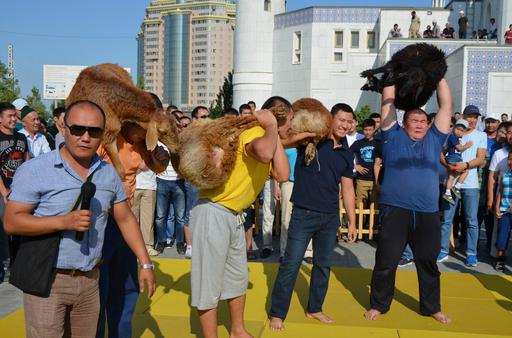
(185, 49)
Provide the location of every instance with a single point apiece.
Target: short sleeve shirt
(13, 149)
(411, 176)
(56, 194)
(317, 184)
(479, 140)
(451, 143)
(365, 153)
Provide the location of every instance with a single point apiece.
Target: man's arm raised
(387, 108)
(263, 148)
(444, 115)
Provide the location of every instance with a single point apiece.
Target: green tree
(363, 114)
(224, 98)
(140, 82)
(35, 102)
(9, 89)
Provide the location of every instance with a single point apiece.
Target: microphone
(87, 191)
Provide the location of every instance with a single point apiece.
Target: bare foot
(441, 318)
(240, 334)
(320, 316)
(276, 324)
(372, 314)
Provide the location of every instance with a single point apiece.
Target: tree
(363, 114)
(9, 89)
(224, 97)
(140, 82)
(35, 102)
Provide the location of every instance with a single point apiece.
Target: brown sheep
(310, 115)
(111, 87)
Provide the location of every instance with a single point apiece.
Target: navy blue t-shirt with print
(316, 186)
(411, 177)
(365, 152)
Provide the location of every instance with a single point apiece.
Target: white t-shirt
(498, 158)
(169, 174)
(352, 138)
(146, 180)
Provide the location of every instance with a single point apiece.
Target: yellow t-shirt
(245, 181)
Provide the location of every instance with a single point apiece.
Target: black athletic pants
(423, 232)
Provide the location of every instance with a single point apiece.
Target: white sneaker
(152, 252)
(188, 252)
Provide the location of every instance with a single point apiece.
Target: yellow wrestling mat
(480, 306)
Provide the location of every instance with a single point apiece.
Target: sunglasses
(76, 130)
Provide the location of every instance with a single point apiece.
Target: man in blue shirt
(409, 202)
(316, 216)
(42, 206)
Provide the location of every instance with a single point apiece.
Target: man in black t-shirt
(463, 25)
(368, 160)
(13, 152)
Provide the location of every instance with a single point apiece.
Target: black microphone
(87, 191)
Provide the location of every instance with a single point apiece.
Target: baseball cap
(493, 116)
(19, 103)
(463, 123)
(471, 109)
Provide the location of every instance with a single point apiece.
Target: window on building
(267, 6)
(338, 39)
(297, 48)
(354, 39)
(370, 40)
(338, 56)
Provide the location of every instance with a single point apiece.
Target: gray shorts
(219, 259)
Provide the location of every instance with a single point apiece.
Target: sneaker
(456, 192)
(442, 257)
(265, 253)
(169, 243)
(188, 252)
(471, 261)
(159, 247)
(152, 252)
(180, 248)
(308, 260)
(500, 265)
(449, 199)
(405, 261)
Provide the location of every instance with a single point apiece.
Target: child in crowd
(504, 214)
(454, 148)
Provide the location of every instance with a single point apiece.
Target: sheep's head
(164, 128)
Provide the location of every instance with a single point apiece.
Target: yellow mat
(480, 306)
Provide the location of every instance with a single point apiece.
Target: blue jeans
(504, 224)
(191, 198)
(304, 225)
(470, 198)
(170, 210)
(407, 254)
(118, 284)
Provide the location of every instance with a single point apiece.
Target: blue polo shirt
(316, 186)
(52, 186)
(411, 176)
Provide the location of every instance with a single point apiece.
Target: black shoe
(169, 243)
(251, 255)
(265, 253)
(180, 247)
(281, 259)
(308, 260)
(500, 264)
(159, 247)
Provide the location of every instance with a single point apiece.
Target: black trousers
(423, 232)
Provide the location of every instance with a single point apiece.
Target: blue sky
(94, 31)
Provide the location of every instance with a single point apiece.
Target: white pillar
(505, 9)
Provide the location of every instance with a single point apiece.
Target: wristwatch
(147, 266)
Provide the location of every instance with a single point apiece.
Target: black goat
(415, 70)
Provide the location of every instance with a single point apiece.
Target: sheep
(415, 70)
(111, 87)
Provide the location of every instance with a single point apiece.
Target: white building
(319, 52)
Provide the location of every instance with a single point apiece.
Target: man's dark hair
(368, 123)
(196, 110)
(415, 111)
(506, 125)
(43, 121)
(244, 106)
(231, 112)
(504, 114)
(183, 118)
(84, 102)
(342, 107)
(170, 108)
(6, 106)
(251, 102)
(57, 111)
(274, 101)
(157, 100)
(374, 116)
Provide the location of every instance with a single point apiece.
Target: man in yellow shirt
(219, 261)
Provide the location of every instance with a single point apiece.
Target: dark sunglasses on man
(77, 130)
